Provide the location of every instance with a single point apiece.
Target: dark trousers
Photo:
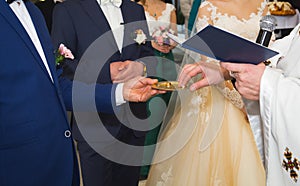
(99, 171)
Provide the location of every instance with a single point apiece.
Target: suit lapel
(126, 12)
(44, 38)
(14, 22)
(126, 21)
(96, 14)
(129, 29)
(46, 43)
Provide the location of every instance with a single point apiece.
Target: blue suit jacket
(78, 24)
(33, 148)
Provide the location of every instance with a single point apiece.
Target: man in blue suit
(36, 148)
(80, 24)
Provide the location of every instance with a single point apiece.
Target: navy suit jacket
(79, 23)
(33, 148)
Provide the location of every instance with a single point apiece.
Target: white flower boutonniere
(63, 53)
(140, 37)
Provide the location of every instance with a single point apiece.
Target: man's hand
(127, 71)
(139, 89)
(211, 74)
(247, 78)
(116, 68)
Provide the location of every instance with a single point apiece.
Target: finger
(122, 67)
(125, 64)
(155, 92)
(148, 81)
(145, 94)
(184, 76)
(186, 68)
(233, 67)
(199, 84)
(193, 72)
(125, 74)
(248, 93)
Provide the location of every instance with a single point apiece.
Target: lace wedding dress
(208, 140)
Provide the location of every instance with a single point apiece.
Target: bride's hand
(211, 74)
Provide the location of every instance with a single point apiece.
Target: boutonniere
(63, 53)
(140, 37)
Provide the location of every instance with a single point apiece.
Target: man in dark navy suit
(36, 148)
(81, 25)
(35, 141)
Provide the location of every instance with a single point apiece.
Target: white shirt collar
(116, 3)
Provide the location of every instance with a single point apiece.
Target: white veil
(184, 114)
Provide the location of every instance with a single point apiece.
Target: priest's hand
(247, 77)
(139, 89)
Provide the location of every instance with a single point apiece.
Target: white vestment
(280, 112)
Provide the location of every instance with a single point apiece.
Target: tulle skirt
(210, 143)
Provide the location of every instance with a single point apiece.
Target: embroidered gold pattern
(290, 164)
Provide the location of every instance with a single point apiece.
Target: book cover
(225, 46)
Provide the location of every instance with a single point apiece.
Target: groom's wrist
(144, 73)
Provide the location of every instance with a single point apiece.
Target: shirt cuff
(119, 94)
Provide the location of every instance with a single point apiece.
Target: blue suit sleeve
(83, 97)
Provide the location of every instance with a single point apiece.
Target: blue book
(225, 46)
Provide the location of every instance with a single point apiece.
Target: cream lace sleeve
(204, 15)
(208, 15)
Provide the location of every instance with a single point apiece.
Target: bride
(208, 139)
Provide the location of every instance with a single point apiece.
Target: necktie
(116, 3)
(10, 1)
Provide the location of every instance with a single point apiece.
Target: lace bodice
(247, 28)
(163, 20)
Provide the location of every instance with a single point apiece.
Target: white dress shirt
(21, 12)
(114, 17)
